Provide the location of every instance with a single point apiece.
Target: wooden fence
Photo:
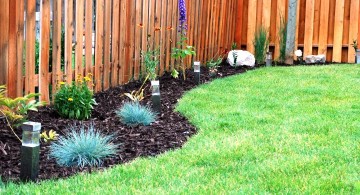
(323, 26)
(120, 29)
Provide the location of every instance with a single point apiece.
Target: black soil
(170, 131)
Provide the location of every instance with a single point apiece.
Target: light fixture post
(197, 72)
(155, 97)
(30, 151)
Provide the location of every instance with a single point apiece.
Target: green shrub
(261, 43)
(133, 113)
(75, 100)
(282, 38)
(82, 147)
(15, 110)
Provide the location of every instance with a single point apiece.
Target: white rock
(244, 58)
(311, 59)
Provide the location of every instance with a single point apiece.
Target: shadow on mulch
(170, 131)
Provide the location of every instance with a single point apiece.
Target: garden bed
(170, 131)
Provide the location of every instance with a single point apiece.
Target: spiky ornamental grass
(82, 147)
(261, 43)
(282, 38)
(133, 113)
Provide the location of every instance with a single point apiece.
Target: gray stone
(312, 59)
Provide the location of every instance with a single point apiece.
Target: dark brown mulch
(170, 131)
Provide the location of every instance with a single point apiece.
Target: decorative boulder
(243, 58)
(312, 59)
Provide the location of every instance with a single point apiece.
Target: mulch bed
(170, 131)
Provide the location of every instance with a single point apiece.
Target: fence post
(291, 31)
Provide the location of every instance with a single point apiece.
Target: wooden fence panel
(108, 42)
(323, 27)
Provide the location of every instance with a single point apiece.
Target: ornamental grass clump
(133, 113)
(282, 38)
(82, 147)
(261, 43)
(76, 100)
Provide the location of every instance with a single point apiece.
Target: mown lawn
(273, 130)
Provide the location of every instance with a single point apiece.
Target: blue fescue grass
(133, 113)
(82, 147)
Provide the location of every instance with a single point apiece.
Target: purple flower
(182, 17)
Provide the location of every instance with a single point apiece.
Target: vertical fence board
(324, 25)
(20, 6)
(107, 33)
(44, 50)
(251, 28)
(88, 36)
(56, 55)
(122, 60)
(316, 23)
(138, 36)
(309, 28)
(30, 47)
(11, 69)
(79, 17)
(338, 30)
(353, 31)
(100, 6)
(68, 40)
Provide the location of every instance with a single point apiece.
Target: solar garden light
(197, 72)
(30, 150)
(358, 56)
(155, 96)
(268, 58)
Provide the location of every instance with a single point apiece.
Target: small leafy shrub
(15, 110)
(75, 101)
(261, 43)
(133, 113)
(82, 147)
(282, 38)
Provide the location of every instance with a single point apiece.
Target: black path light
(30, 151)
(197, 72)
(155, 96)
(268, 58)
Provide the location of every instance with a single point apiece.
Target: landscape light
(155, 96)
(30, 150)
(268, 58)
(197, 72)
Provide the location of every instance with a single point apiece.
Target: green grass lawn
(273, 130)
